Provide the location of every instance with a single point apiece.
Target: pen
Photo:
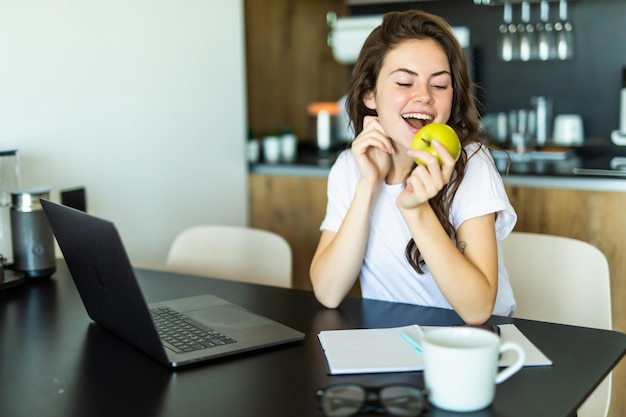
(414, 343)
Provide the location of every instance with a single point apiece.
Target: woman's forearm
(469, 279)
(339, 256)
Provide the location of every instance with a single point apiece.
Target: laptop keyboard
(183, 334)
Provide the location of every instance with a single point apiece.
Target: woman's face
(414, 88)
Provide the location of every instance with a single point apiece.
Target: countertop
(597, 166)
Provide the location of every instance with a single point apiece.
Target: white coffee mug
(461, 367)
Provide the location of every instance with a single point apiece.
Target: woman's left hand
(425, 181)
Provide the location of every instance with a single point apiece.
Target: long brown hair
(464, 116)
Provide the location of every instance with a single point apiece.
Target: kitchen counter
(597, 167)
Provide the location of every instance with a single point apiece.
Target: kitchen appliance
(33, 241)
(568, 130)
(346, 35)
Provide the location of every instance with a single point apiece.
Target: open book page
(384, 350)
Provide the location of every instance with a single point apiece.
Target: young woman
(422, 234)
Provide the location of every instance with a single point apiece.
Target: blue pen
(414, 343)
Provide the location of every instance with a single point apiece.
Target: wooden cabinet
(294, 207)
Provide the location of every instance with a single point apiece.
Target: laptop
(108, 287)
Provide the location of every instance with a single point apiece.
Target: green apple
(440, 132)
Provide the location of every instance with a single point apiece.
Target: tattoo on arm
(461, 245)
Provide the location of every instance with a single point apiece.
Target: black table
(55, 362)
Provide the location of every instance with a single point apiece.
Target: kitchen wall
(142, 102)
(589, 84)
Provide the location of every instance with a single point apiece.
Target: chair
(566, 281)
(234, 253)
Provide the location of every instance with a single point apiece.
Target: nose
(421, 93)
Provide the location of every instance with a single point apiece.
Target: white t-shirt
(385, 273)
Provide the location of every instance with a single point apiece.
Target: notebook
(108, 287)
(360, 351)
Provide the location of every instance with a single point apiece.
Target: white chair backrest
(562, 280)
(234, 253)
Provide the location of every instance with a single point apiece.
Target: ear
(369, 99)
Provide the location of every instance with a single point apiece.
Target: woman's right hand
(339, 256)
(372, 150)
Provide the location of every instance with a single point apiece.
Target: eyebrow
(410, 72)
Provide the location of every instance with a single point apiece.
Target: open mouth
(417, 120)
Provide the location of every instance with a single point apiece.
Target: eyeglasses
(345, 400)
